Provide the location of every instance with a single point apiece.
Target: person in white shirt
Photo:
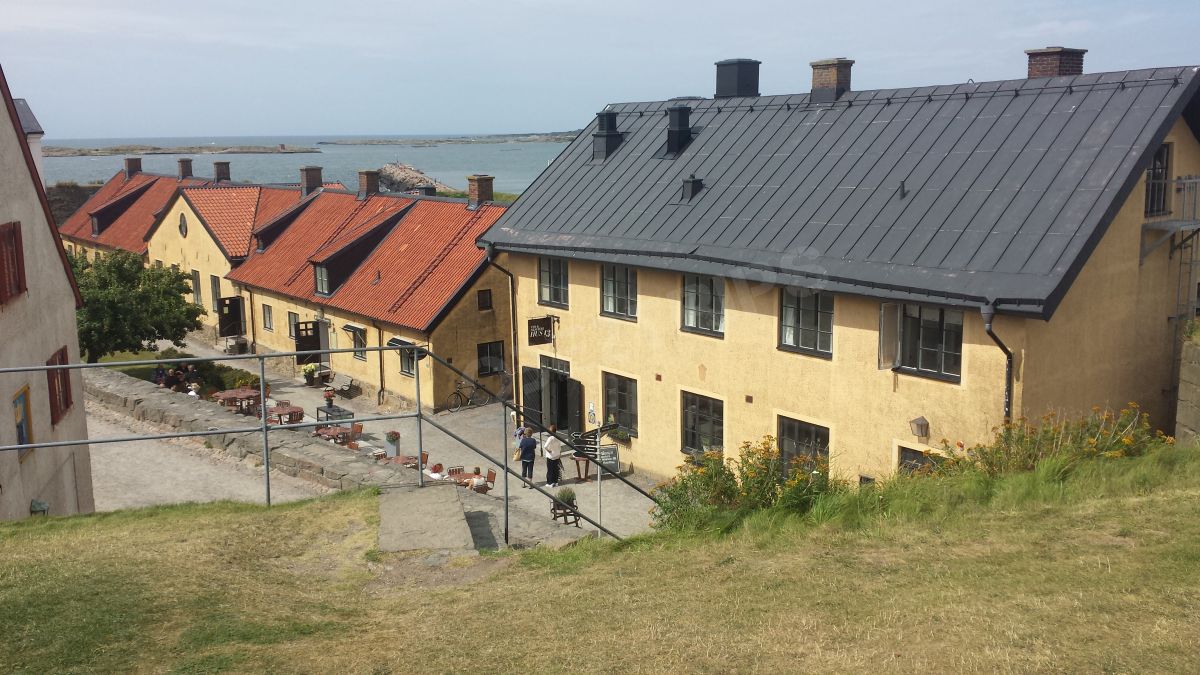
(552, 447)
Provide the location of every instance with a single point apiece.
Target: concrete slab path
(412, 518)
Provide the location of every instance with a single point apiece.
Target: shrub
(566, 495)
(699, 491)
(759, 474)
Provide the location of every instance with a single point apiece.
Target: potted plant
(567, 496)
(620, 435)
(310, 373)
(393, 439)
(328, 393)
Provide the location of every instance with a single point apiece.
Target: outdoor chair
(455, 470)
(488, 484)
(295, 417)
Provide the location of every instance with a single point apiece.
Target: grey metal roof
(1008, 186)
(29, 123)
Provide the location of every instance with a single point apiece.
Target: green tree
(128, 306)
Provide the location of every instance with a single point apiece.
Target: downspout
(988, 312)
(382, 382)
(253, 332)
(490, 251)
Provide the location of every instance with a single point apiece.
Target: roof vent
(185, 168)
(679, 130)
(132, 165)
(310, 180)
(1055, 61)
(691, 187)
(221, 171)
(831, 79)
(737, 77)
(607, 138)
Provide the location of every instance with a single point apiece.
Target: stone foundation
(1187, 412)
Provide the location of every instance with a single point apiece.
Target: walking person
(553, 451)
(528, 448)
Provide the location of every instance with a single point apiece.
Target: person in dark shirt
(528, 448)
(160, 374)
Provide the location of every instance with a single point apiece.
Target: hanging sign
(541, 331)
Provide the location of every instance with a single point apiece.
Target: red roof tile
(231, 212)
(422, 263)
(131, 220)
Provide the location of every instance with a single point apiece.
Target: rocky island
(397, 177)
(547, 137)
(281, 149)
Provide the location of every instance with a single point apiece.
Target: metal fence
(265, 427)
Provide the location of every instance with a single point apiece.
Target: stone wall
(1187, 413)
(294, 453)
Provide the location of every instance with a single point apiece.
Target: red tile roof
(231, 212)
(132, 204)
(422, 264)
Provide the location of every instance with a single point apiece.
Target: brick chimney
(831, 79)
(132, 165)
(479, 190)
(221, 171)
(310, 180)
(1055, 61)
(368, 183)
(185, 168)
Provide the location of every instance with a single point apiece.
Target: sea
(514, 164)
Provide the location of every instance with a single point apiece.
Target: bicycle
(464, 396)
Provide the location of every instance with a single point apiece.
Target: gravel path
(145, 473)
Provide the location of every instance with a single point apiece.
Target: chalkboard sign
(609, 456)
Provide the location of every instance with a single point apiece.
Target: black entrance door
(311, 336)
(229, 317)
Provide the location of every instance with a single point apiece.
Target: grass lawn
(1101, 573)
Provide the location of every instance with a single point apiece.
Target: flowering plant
(392, 436)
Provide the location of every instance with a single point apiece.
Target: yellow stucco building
(848, 270)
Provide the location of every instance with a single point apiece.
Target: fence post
(262, 413)
(420, 417)
(504, 453)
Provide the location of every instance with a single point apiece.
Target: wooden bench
(345, 386)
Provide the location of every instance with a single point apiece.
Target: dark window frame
(1158, 183)
(912, 460)
(715, 310)
(929, 342)
(408, 362)
(293, 319)
(707, 409)
(554, 285)
(268, 317)
(197, 290)
(800, 313)
(809, 440)
(321, 280)
(358, 340)
(618, 287)
(214, 283)
(627, 416)
(486, 356)
(483, 298)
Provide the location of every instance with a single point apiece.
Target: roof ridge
(437, 260)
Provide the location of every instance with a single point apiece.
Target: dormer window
(322, 280)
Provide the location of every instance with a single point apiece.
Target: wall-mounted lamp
(919, 427)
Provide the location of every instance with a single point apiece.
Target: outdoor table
(237, 397)
(333, 413)
(282, 412)
(583, 468)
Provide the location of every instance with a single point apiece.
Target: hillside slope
(1105, 583)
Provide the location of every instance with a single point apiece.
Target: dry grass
(1099, 585)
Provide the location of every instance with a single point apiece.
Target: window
(183, 226)
(620, 402)
(917, 461)
(12, 262)
(557, 365)
(293, 319)
(491, 358)
(96, 255)
(59, 384)
(618, 291)
(703, 304)
(1158, 183)
(804, 441)
(484, 298)
(552, 282)
(931, 341)
(268, 316)
(214, 282)
(703, 424)
(158, 264)
(806, 321)
(359, 337)
(408, 357)
(322, 279)
(197, 294)
(23, 419)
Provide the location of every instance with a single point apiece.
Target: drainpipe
(988, 312)
(382, 383)
(250, 313)
(490, 251)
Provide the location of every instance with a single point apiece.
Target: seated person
(160, 375)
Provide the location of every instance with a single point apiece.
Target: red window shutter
(19, 252)
(6, 244)
(58, 382)
(52, 386)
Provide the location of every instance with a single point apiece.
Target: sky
(130, 68)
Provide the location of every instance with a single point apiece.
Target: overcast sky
(117, 68)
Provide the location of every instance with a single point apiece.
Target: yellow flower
(1128, 440)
